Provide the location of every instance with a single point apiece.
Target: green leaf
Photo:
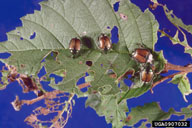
(186, 111)
(27, 62)
(159, 61)
(152, 112)
(134, 92)
(107, 106)
(137, 27)
(76, 68)
(183, 84)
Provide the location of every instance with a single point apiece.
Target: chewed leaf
(186, 111)
(183, 84)
(175, 39)
(27, 62)
(176, 21)
(61, 72)
(89, 78)
(137, 27)
(44, 39)
(150, 112)
(107, 106)
(135, 92)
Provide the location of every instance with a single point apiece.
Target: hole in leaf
(87, 41)
(116, 6)
(114, 35)
(127, 81)
(108, 27)
(89, 63)
(56, 77)
(5, 55)
(52, 55)
(33, 36)
(21, 38)
(81, 82)
(42, 72)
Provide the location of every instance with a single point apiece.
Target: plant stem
(169, 66)
(185, 69)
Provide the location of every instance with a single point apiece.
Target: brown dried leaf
(31, 119)
(17, 104)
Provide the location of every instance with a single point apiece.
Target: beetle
(142, 55)
(146, 74)
(75, 45)
(104, 42)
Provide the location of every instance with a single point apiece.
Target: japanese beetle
(104, 42)
(75, 45)
(146, 74)
(142, 55)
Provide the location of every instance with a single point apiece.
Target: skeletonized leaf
(183, 84)
(177, 22)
